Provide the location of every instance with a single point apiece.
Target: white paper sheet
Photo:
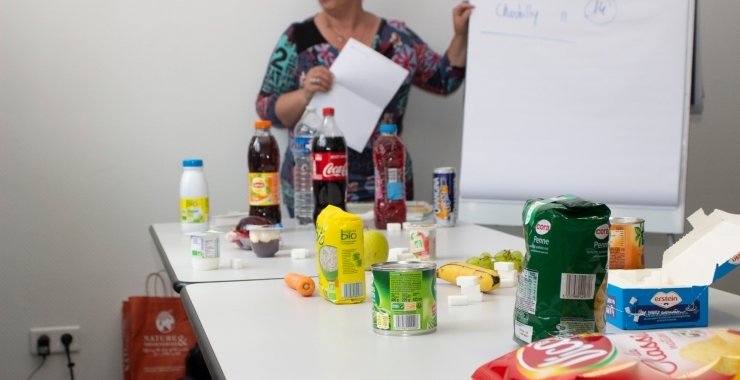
(364, 82)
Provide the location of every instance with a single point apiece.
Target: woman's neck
(347, 18)
(347, 24)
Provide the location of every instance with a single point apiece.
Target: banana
(488, 278)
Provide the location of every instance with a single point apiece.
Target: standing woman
(299, 68)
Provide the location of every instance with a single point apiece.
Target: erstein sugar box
(340, 251)
(445, 196)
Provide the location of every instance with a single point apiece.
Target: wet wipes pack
(677, 294)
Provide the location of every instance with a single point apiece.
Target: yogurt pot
(265, 239)
(422, 240)
(204, 250)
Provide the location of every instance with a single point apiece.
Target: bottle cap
(192, 163)
(328, 111)
(388, 128)
(262, 124)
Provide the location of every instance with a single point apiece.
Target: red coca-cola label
(329, 166)
(550, 357)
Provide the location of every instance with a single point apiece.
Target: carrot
(304, 285)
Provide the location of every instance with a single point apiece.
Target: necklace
(340, 37)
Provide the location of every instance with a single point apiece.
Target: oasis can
(626, 243)
(404, 298)
(445, 196)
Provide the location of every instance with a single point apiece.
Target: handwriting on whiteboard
(601, 12)
(538, 20)
(518, 12)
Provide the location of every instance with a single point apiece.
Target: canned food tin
(404, 298)
(445, 196)
(422, 240)
(626, 243)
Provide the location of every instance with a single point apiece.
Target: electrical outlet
(55, 338)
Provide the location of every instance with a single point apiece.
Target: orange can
(626, 243)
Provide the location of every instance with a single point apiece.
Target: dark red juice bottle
(329, 154)
(389, 158)
(263, 159)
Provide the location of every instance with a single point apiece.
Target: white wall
(100, 100)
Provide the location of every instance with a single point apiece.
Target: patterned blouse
(302, 47)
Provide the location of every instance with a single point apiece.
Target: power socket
(55, 338)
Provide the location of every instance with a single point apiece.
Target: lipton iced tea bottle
(263, 159)
(389, 158)
(329, 153)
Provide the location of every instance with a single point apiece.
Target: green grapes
(486, 260)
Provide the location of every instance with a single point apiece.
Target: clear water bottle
(193, 197)
(303, 133)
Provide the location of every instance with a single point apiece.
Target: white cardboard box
(676, 295)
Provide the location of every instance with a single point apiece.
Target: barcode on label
(574, 286)
(352, 290)
(406, 322)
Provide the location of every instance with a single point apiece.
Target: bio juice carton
(677, 294)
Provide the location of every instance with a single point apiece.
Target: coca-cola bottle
(329, 153)
(263, 159)
(389, 158)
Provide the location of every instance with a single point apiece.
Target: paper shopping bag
(156, 336)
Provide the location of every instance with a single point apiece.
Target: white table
(459, 242)
(264, 330)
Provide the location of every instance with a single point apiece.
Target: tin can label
(404, 298)
(445, 202)
(626, 243)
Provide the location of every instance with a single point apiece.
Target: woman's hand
(317, 79)
(290, 105)
(460, 18)
(458, 50)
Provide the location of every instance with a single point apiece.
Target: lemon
(376, 248)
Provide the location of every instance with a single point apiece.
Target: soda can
(445, 196)
(626, 243)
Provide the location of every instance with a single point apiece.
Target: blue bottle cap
(192, 163)
(388, 128)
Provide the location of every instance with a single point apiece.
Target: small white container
(423, 240)
(193, 197)
(205, 250)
